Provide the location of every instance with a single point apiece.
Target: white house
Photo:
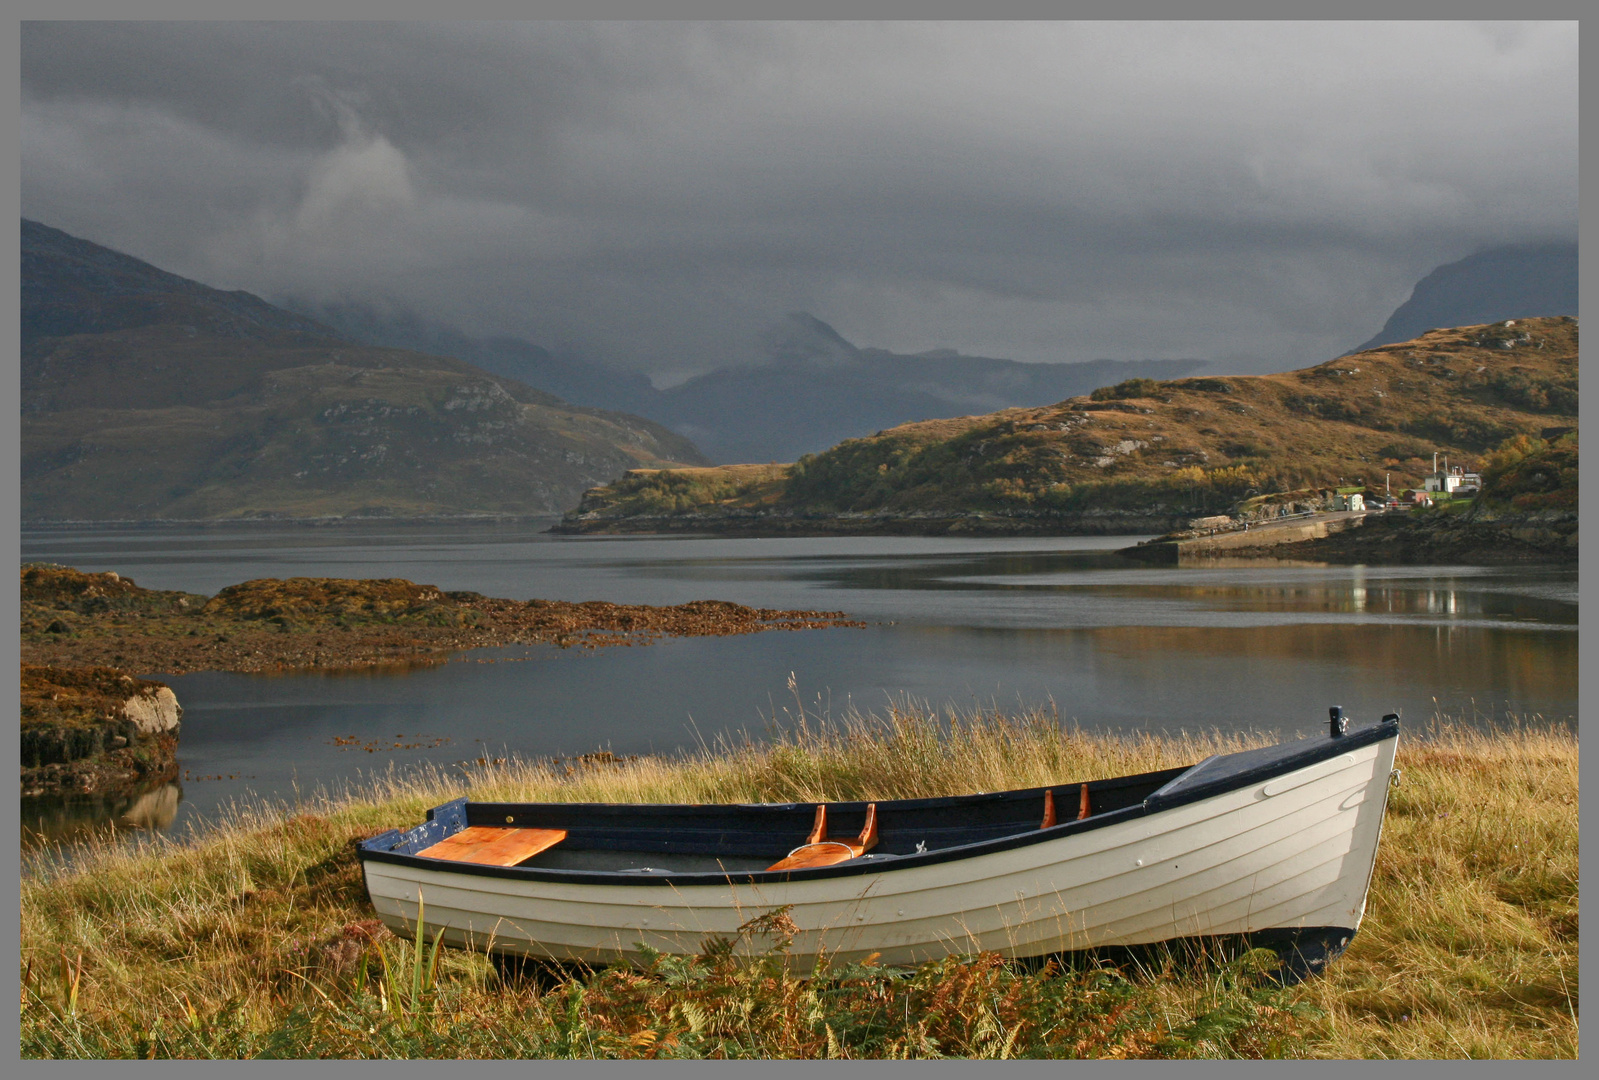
(1453, 480)
(1449, 481)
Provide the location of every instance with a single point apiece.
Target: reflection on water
(1116, 645)
(71, 818)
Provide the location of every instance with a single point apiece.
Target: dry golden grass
(711, 473)
(256, 938)
(654, 492)
(1469, 945)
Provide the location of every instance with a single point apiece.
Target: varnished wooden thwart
(825, 853)
(494, 846)
(820, 851)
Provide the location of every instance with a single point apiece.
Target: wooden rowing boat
(1277, 843)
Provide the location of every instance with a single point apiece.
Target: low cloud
(657, 194)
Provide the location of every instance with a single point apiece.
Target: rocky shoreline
(1548, 536)
(89, 727)
(744, 522)
(95, 730)
(1396, 538)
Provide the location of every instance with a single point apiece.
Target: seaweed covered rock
(76, 620)
(52, 593)
(340, 601)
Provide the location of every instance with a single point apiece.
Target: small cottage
(1451, 481)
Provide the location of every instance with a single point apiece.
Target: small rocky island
(90, 727)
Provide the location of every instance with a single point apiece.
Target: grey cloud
(657, 194)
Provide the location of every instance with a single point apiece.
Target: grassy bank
(256, 939)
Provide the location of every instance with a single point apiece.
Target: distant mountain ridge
(1515, 282)
(71, 286)
(147, 395)
(819, 390)
(812, 389)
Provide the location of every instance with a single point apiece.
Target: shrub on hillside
(1531, 474)
(1127, 388)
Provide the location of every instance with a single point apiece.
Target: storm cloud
(655, 195)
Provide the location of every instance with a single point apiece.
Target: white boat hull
(1295, 851)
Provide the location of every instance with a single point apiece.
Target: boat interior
(621, 838)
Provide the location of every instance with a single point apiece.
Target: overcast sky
(657, 194)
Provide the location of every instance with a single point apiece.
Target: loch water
(1064, 622)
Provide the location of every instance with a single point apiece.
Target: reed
(255, 937)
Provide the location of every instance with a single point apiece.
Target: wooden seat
(492, 846)
(818, 850)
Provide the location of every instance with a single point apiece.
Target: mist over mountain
(808, 388)
(1520, 281)
(147, 395)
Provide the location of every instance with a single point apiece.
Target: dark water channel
(1114, 645)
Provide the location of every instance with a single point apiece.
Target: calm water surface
(1114, 645)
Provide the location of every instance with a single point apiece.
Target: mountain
(809, 389)
(147, 395)
(817, 389)
(1142, 455)
(582, 382)
(1518, 282)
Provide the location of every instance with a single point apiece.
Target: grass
(255, 938)
(656, 492)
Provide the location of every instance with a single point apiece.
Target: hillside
(1143, 456)
(146, 395)
(807, 388)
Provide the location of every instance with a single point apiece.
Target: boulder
(154, 712)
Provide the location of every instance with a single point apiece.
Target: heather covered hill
(1129, 457)
(145, 395)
